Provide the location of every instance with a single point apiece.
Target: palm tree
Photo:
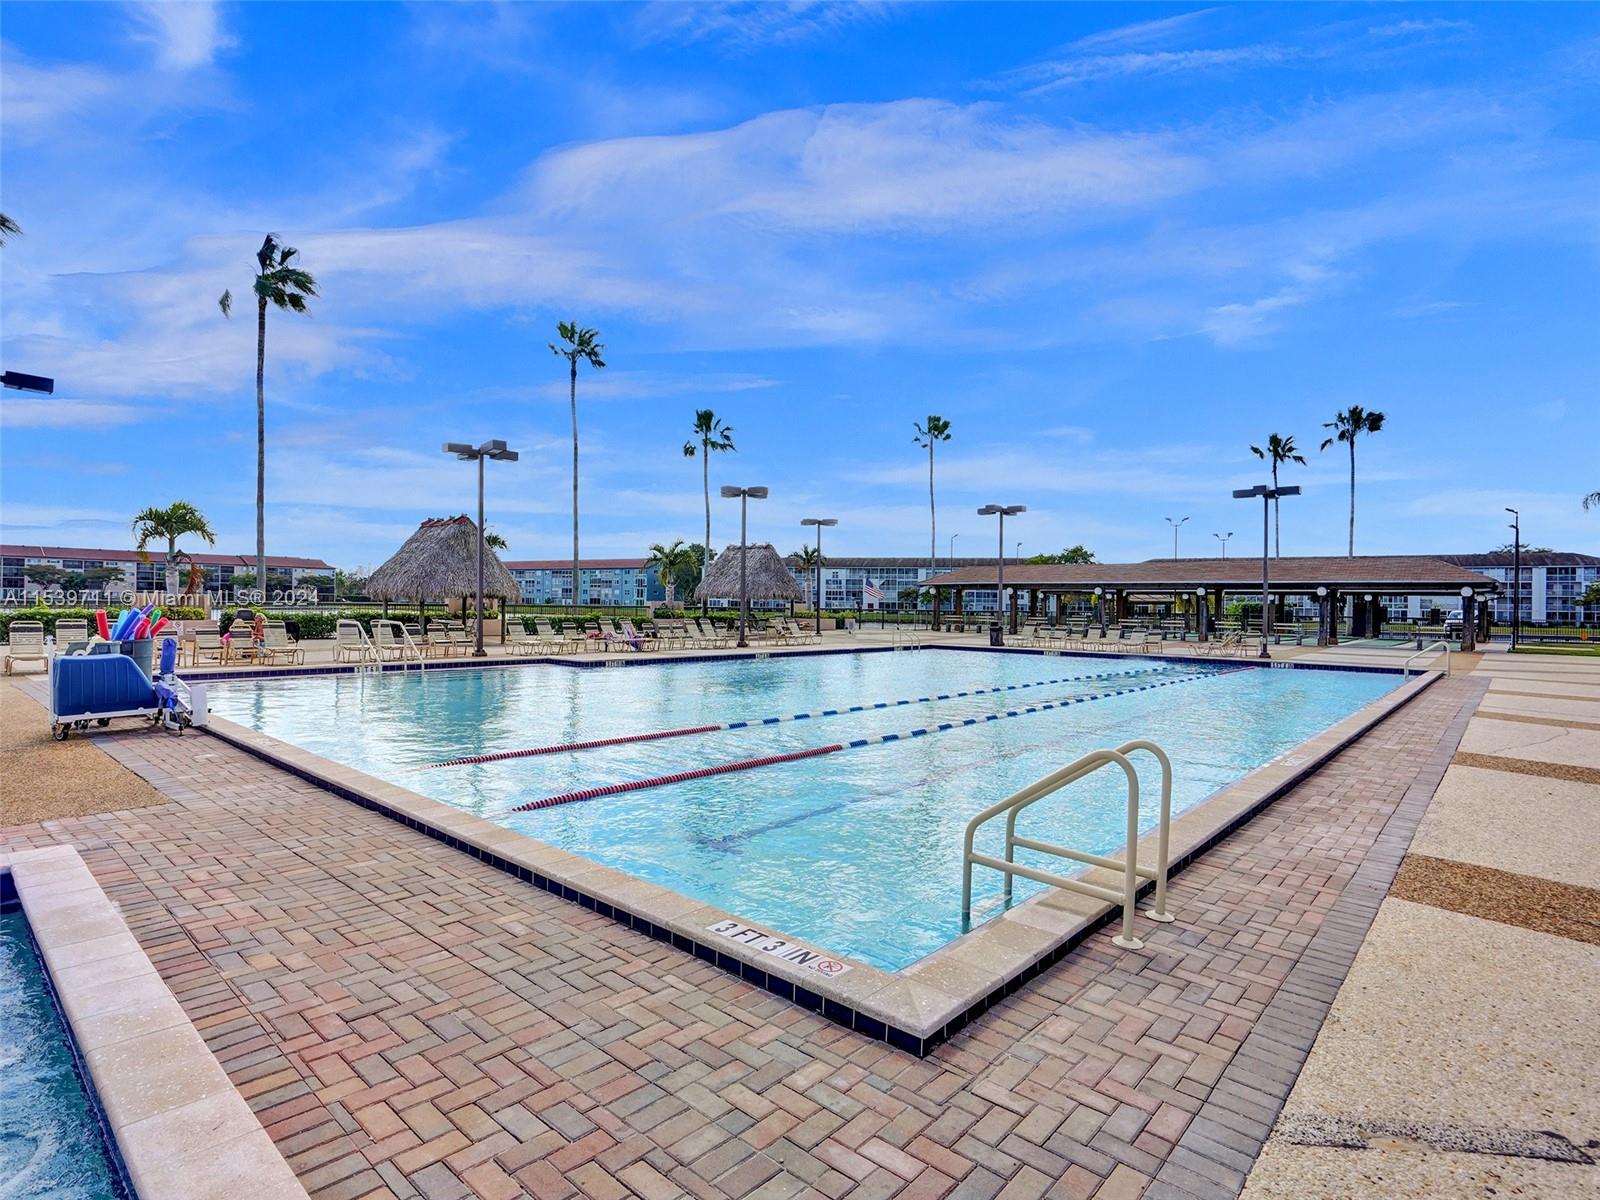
(281, 284)
(712, 437)
(937, 430)
(493, 540)
(1348, 426)
(1279, 450)
(8, 229)
(177, 520)
(668, 562)
(1592, 500)
(809, 561)
(577, 344)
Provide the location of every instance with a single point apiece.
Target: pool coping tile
(972, 972)
(151, 1075)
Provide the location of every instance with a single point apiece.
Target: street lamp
(1223, 538)
(1516, 576)
(1268, 495)
(1176, 525)
(744, 496)
(953, 538)
(819, 522)
(497, 451)
(997, 630)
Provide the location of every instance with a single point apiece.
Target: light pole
(953, 538)
(997, 630)
(1176, 525)
(497, 451)
(1223, 538)
(744, 495)
(1268, 495)
(819, 522)
(1516, 576)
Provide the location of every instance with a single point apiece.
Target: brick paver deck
(406, 1021)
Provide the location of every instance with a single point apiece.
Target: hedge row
(49, 617)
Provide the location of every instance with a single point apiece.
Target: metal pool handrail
(1445, 646)
(406, 644)
(1131, 870)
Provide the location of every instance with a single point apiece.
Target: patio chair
(276, 645)
(208, 644)
(25, 644)
(387, 641)
(349, 643)
(68, 632)
(520, 641)
(630, 636)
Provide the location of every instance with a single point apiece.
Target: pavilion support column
(1202, 614)
(955, 604)
(935, 620)
(1033, 602)
(1334, 601)
(1015, 598)
(1468, 625)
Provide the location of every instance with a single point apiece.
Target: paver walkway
(1460, 1057)
(406, 1021)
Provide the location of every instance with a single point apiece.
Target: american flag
(871, 592)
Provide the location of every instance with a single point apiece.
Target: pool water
(857, 851)
(50, 1139)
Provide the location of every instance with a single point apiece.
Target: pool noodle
(102, 624)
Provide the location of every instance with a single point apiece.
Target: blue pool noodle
(120, 628)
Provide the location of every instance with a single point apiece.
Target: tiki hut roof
(766, 577)
(440, 562)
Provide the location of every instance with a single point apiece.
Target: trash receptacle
(140, 650)
(994, 634)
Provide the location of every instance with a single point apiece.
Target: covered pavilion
(1205, 585)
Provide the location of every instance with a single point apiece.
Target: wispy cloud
(18, 412)
(185, 34)
(746, 26)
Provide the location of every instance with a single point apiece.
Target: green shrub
(49, 617)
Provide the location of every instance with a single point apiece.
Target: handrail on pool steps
(1131, 869)
(1445, 646)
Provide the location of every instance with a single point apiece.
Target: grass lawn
(1580, 651)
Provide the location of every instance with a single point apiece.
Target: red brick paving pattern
(408, 1022)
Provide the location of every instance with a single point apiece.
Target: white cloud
(56, 413)
(186, 34)
(746, 26)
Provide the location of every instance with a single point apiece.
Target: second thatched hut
(766, 576)
(439, 563)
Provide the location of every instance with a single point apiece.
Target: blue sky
(1114, 245)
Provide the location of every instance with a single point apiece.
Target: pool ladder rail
(1132, 870)
(904, 639)
(409, 651)
(1431, 646)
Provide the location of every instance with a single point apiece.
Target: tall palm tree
(8, 229)
(710, 436)
(283, 285)
(178, 519)
(937, 430)
(493, 540)
(668, 562)
(1279, 450)
(1348, 426)
(1592, 500)
(577, 344)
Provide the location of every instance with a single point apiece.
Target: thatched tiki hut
(766, 577)
(439, 562)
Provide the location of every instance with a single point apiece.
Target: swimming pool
(858, 850)
(50, 1139)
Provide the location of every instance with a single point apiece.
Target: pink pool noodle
(102, 625)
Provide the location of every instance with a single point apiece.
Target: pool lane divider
(771, 760)
(664, 734)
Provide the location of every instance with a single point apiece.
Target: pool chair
(710, 637)
(520, 641)
(801, 635)
(207, 646)
(557, 643)
(630, 636)
(349, 642)
(68, 632)
(439, 643)
(388, 641)
(276, 646)
(26, 644)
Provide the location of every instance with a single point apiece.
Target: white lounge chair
(25, 644)
(349, 642)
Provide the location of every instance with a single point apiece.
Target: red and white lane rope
(759, 722)
(748, 764)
